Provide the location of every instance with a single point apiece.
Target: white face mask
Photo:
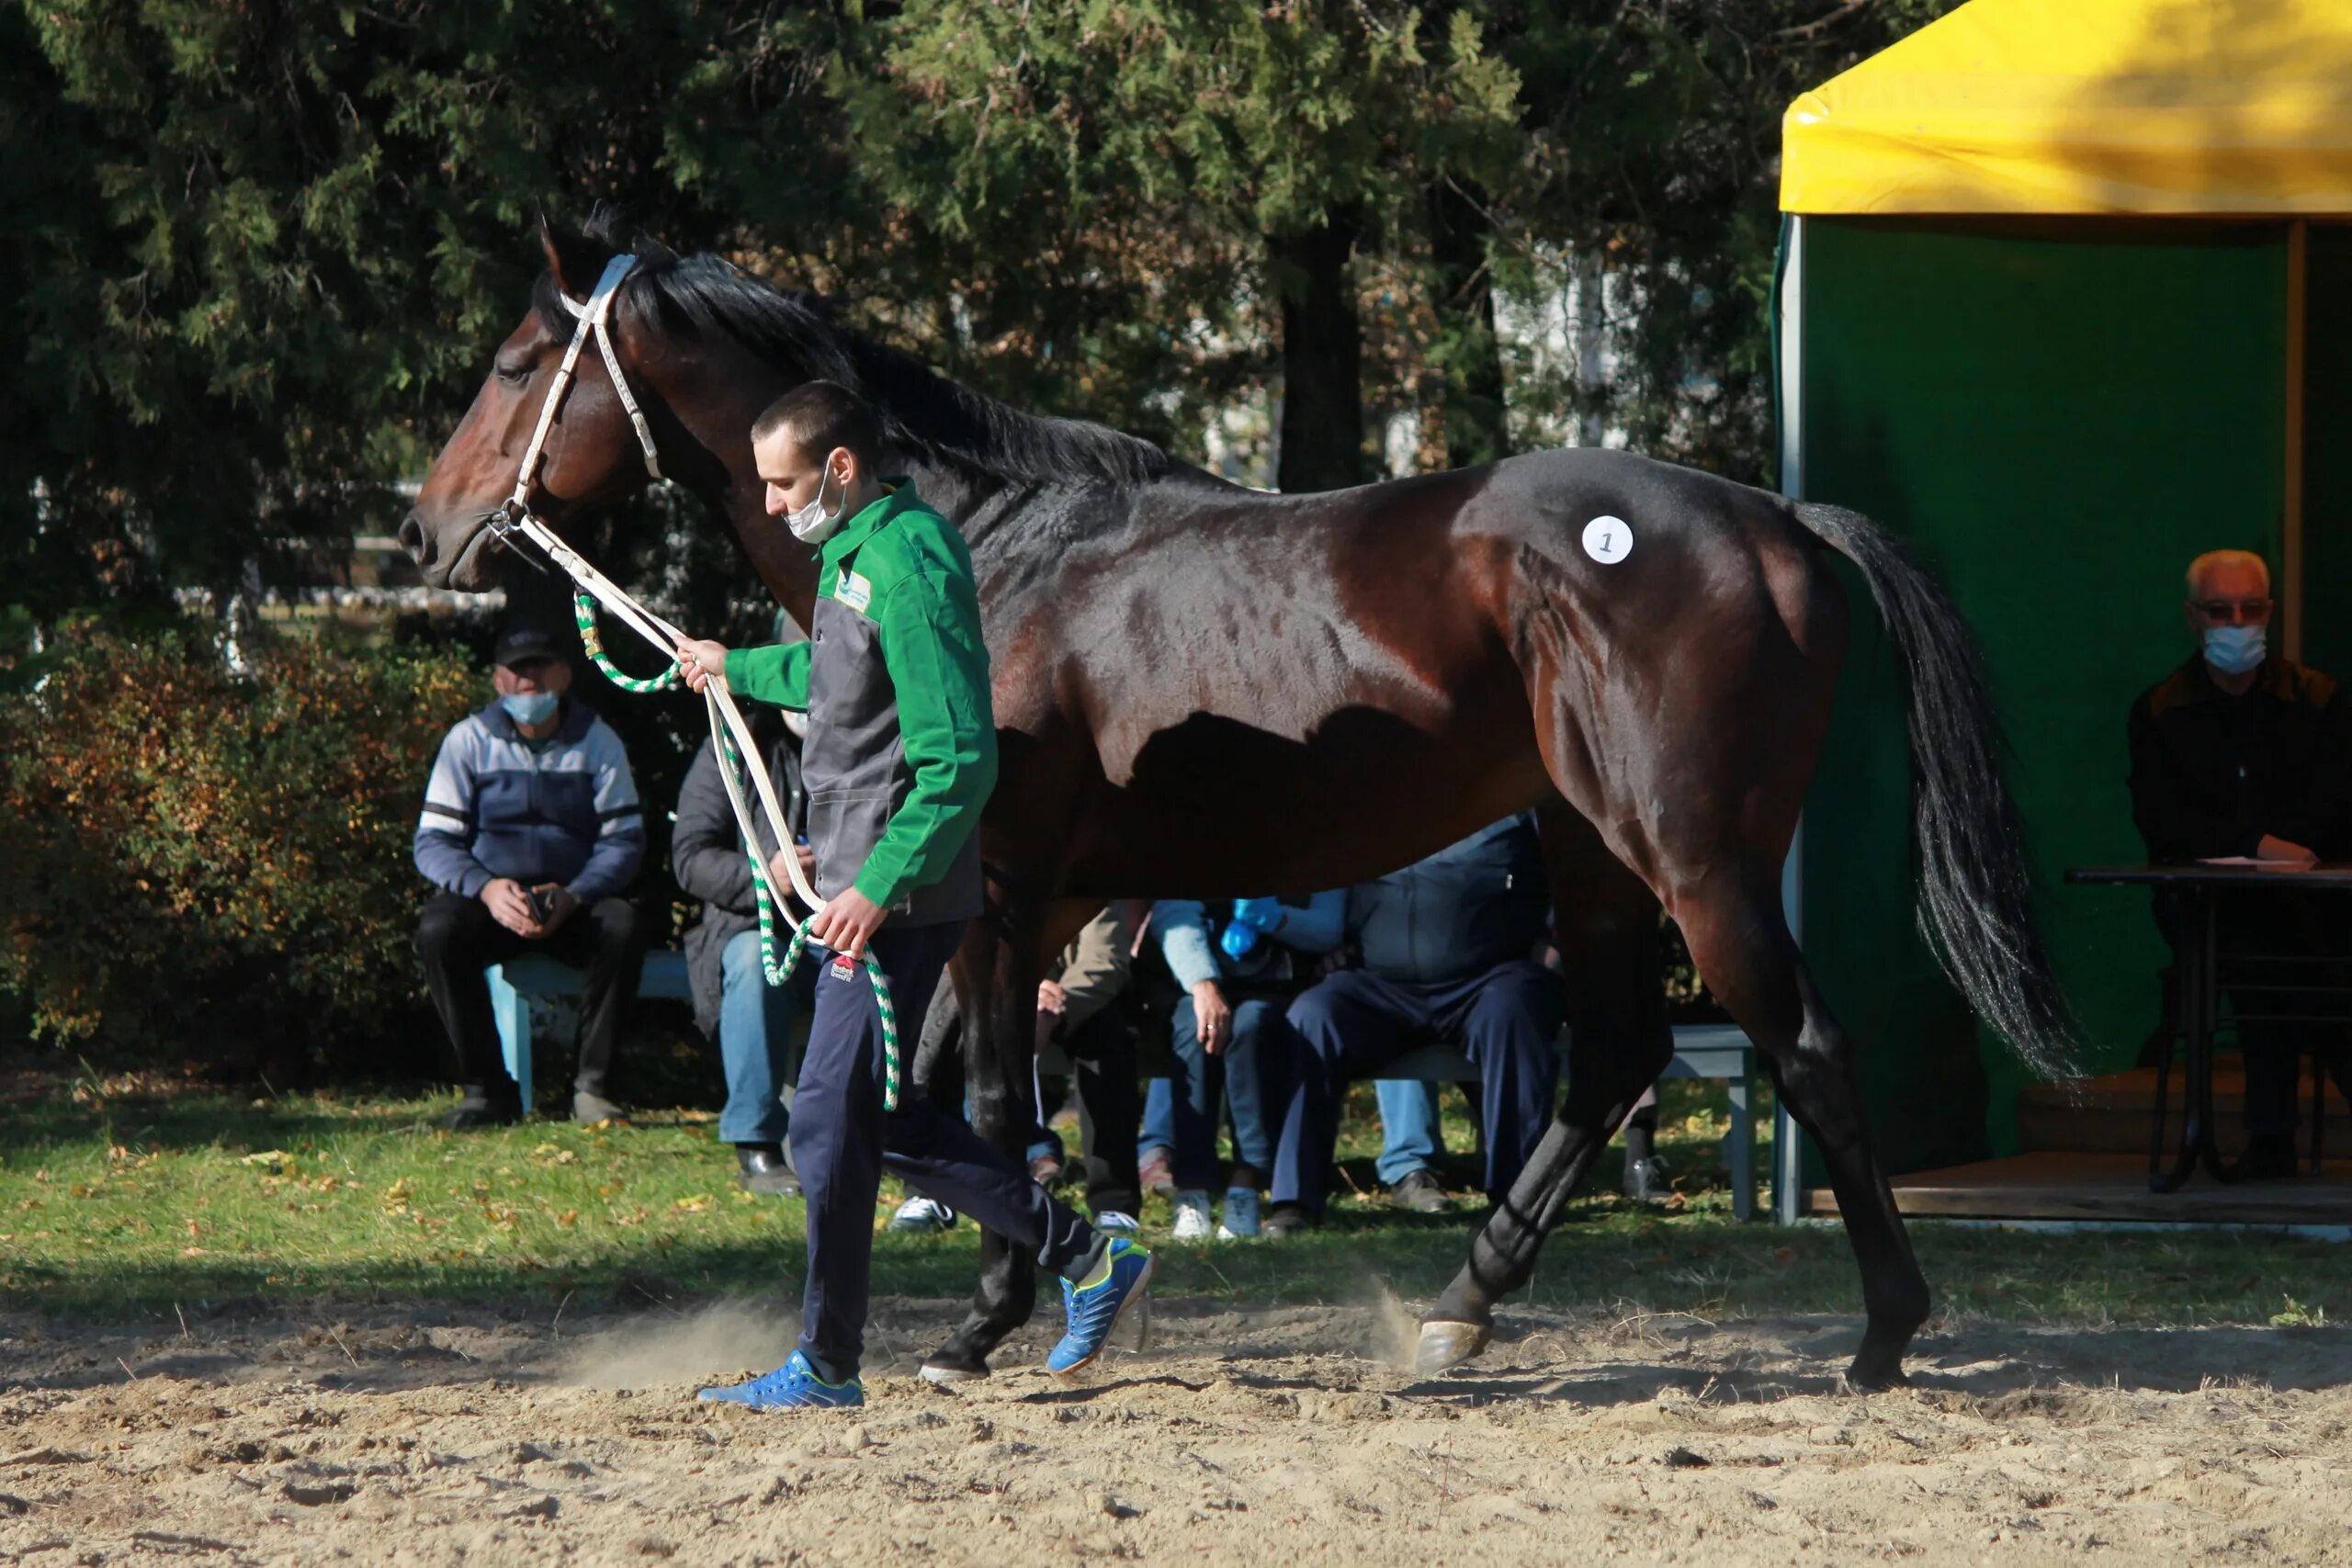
(812, 525)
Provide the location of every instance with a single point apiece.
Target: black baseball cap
(520, 645)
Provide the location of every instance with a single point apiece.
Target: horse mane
(924, 413)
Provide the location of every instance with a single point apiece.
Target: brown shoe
(1421, 1192)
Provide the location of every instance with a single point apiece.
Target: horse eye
(514, 374)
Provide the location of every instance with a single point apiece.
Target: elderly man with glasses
(2242, 753)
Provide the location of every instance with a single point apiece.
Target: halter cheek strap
(594, 319)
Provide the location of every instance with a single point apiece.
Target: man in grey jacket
(752, 1019)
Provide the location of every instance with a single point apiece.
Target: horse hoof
(954, 1365)
(1875, 1378)
(1444, 1345)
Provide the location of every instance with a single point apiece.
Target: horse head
(590, 456)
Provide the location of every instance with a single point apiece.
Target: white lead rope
(718, 700)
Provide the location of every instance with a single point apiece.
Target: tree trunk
(1322, 429)
(1469, 357)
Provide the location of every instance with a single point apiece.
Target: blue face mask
(529, 707)
(2233, 650)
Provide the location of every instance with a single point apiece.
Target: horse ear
(574, 260)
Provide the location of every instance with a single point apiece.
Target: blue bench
(513, 984)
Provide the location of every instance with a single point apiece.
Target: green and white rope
(583, 612)
(732, 772)
(777, 973)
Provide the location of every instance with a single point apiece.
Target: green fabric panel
(2060, 418)
(2328, 453)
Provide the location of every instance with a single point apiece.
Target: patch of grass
(123, 1199)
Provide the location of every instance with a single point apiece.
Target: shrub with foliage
(197, 862)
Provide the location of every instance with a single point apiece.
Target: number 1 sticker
(1607, 540)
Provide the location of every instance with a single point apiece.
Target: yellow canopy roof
(2217, 106)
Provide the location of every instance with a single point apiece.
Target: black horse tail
(1975, 908)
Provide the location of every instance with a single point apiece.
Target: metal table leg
(2199, 964)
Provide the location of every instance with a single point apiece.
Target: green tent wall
(2059, 413)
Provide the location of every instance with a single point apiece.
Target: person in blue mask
(2242, 753)
(532, 833)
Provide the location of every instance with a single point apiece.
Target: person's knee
(615, 922)
(1520, 1002)
(1314, 1016)
(443, 931)
(1257, 1022)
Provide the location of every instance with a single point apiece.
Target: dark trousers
(842, 1142)
(1109, 1105)
(459, 939)
(2277, 925)
(1351, 1024)
(1235, 1077)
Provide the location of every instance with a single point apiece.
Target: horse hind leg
(997, 994)
(1606, 929)
(1742, 945)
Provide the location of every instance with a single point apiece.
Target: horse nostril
(416, 541)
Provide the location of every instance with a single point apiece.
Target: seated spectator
(2242, 753)
(732, 998)
(1236, 971)
(1450, 951)
(531, 830)
(1079, 1009)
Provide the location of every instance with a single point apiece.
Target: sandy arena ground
(449, 1434)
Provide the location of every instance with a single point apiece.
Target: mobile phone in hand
(542, 904)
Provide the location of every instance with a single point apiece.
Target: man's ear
(574, 260)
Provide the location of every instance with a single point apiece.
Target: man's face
(532, 675)
(2229, 593)
(793, 477)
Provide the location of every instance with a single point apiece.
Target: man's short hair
(817, 416)
(2211, 559)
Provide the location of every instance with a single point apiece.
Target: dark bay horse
(1209, 692)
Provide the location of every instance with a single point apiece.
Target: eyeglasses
(2233, 611)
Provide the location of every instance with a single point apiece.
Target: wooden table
(2197, 988)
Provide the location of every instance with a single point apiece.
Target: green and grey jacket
(901, 748)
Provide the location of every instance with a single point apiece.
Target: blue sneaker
(792, 1386)
(1095, 1307)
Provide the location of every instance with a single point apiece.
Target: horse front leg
(996, 975)
(1605, 924)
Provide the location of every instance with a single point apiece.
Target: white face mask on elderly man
(2233, 650)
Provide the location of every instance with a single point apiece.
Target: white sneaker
(922, 1214)
(1241, 1215)
(1117, 1221)
(1192, 1215)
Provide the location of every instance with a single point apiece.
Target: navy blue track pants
(842, 1142)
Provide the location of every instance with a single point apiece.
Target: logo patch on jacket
(854, 590)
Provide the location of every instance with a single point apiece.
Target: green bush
(198, 864)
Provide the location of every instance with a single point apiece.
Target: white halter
(594, 318)
(516, 517)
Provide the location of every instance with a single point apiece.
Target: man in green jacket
(899, 759)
